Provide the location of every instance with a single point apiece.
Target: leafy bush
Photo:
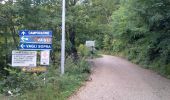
(140, 29)
(18, 82)
(83, 50)
(117, 46)
(54, 87)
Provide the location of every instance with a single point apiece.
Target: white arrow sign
(22, 46)
(23, 33)
(23, 38)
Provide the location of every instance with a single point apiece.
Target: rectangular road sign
(90, 43)
(35, 33)
(31, 46)
(36, 39)
(45, 57)
(35, 69)
(24, 58)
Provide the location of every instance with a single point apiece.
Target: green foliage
(140, 29)
(32, 86)
(106, 42)
(49, 92)
(57, 87)
(77, 68)
(117, 45)
(18, 82)
(83, 50)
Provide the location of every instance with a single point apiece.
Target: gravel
(115, 78)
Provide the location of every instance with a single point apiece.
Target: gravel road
(115, 78)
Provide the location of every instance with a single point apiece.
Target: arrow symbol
(23, 33)
(22, 46)
(24, 39)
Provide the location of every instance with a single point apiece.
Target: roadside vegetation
(57, 87)
(18, 15)
(140, 32)
(136, 29)
(50, 85)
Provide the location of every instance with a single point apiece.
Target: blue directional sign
(31, 46)
(35, 33)
(36, 39)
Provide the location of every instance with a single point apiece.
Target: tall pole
(63, 37)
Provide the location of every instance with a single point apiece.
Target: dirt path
(115, 78)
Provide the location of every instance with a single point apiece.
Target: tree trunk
(12, 29)
(72, 40)
(13, 36)
(6, 48)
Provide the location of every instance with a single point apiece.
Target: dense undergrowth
(141, 32)
(57, 87)
(50, 85)
(136, 29)
(153, 54)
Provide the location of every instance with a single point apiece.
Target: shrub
(18, 82)
(57, 87)
(83, 50)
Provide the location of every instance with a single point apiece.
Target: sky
(3, 1)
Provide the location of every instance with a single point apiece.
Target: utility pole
(63, 37)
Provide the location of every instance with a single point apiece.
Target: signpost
(63, 36)
(36, 39)
(33, 40)
(35, 33)
(90, 43)
(24, 58)
(45, 58)
(31, 46)
(34, 69)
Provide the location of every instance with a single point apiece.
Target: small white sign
(90, 43)
(24, 58)
(45, 57)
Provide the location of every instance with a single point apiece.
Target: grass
(63, 86)
(56, 86)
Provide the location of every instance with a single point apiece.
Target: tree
(142, 26)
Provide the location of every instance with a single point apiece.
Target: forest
(138, 30)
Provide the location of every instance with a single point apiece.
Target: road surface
(115, 78)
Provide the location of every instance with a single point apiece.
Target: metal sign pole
(63, 38)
